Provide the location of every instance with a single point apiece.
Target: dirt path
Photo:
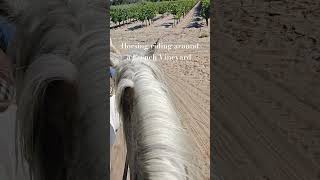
(266, 90)
(188, 80)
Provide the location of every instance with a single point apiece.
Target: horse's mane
(157, 145)
(60, 53)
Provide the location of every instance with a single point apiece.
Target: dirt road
(266, 90)
(189, 79)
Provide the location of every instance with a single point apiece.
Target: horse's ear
(114, 55)
(152, 50)
(113, 49)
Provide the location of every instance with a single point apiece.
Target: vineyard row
(147, 11)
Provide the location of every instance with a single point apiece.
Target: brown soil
(266, 90)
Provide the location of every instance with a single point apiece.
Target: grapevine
(205, 12)
(147, 11)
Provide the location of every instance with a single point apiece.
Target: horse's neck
(153, 125)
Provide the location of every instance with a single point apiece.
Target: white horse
(157, 145)
(60, 54)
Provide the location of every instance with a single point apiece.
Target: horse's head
(59, 49)
(157, 145)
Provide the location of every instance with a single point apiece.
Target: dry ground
(188, 80)
(266, 90)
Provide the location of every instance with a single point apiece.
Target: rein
(126, 167)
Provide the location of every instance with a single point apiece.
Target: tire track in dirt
(285, 123)
(196, 95)
(203, 93)
(201, 114)
(273, 88)
(275, 112)
(196, 122)
(263, 145)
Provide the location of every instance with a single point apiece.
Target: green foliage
(180, 8)
(163, 7)
(148, 10)
(205, 10)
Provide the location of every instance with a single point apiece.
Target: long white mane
(60, 53)
(157, 145)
